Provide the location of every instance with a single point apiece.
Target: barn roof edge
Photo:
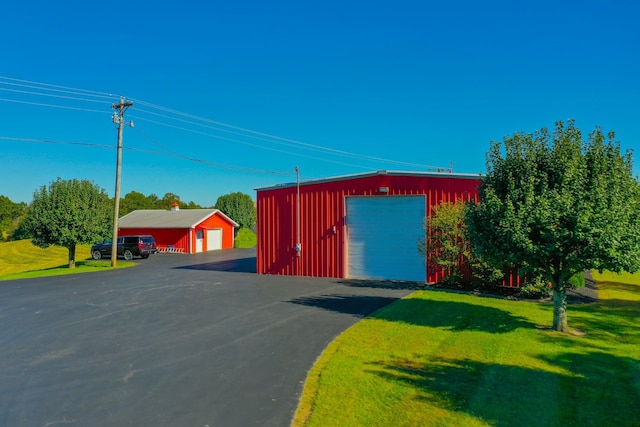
(375, 173)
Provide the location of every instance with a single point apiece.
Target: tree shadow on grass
(608, 321)
(455, 316)
(451, 315)
(79, 263)
(619, 286)
(585, 391)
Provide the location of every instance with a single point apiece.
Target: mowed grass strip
(449, 359)
(245, 238)
(21, 259)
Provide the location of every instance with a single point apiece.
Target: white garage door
(214, 239)
(382, 237)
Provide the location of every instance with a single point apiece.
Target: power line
(206, 162)
(250, 144)
(193, 120)
(271, 138)
(253, 133)
(198, 132)
(41, 104)
(153, 141)
(54, 90)
(50, 141)
(57, 88)
(51, 95)
(155, 153)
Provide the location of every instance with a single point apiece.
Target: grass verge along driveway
(448, 359)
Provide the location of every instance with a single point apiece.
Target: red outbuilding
(186, 231)
(356, 226)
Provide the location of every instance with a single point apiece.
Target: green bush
(577, 281)
(533, 290)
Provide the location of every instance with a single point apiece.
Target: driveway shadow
(238, 265)
(355, 305)
(384, 284)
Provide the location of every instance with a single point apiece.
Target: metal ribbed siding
(322, 207)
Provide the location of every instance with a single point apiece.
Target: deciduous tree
(446, 247)
(67, 213)
(168, 200)
(556, 204)
(135, 200)
(10, 214)
(239, 207)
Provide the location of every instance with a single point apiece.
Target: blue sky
(229, 96)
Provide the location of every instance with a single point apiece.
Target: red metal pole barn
(322, 229)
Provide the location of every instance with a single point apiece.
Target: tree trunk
(560, 308)
(72, 256)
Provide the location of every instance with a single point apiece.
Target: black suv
(128, 247)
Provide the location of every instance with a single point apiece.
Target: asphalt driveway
(178, 340)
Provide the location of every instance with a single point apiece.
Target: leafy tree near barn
(67, 213)
(168, 200)
(239, 207)
(556, 205)
(446, 246)
(10, 214)
(135, 200)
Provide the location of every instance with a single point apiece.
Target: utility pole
(118, 118)
(298, 244)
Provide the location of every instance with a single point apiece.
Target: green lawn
(245, 238)
(448, 359)
(21, 259)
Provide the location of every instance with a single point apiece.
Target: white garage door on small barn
(214, 239)
(382, 237)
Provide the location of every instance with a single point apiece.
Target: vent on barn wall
(175, 206)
